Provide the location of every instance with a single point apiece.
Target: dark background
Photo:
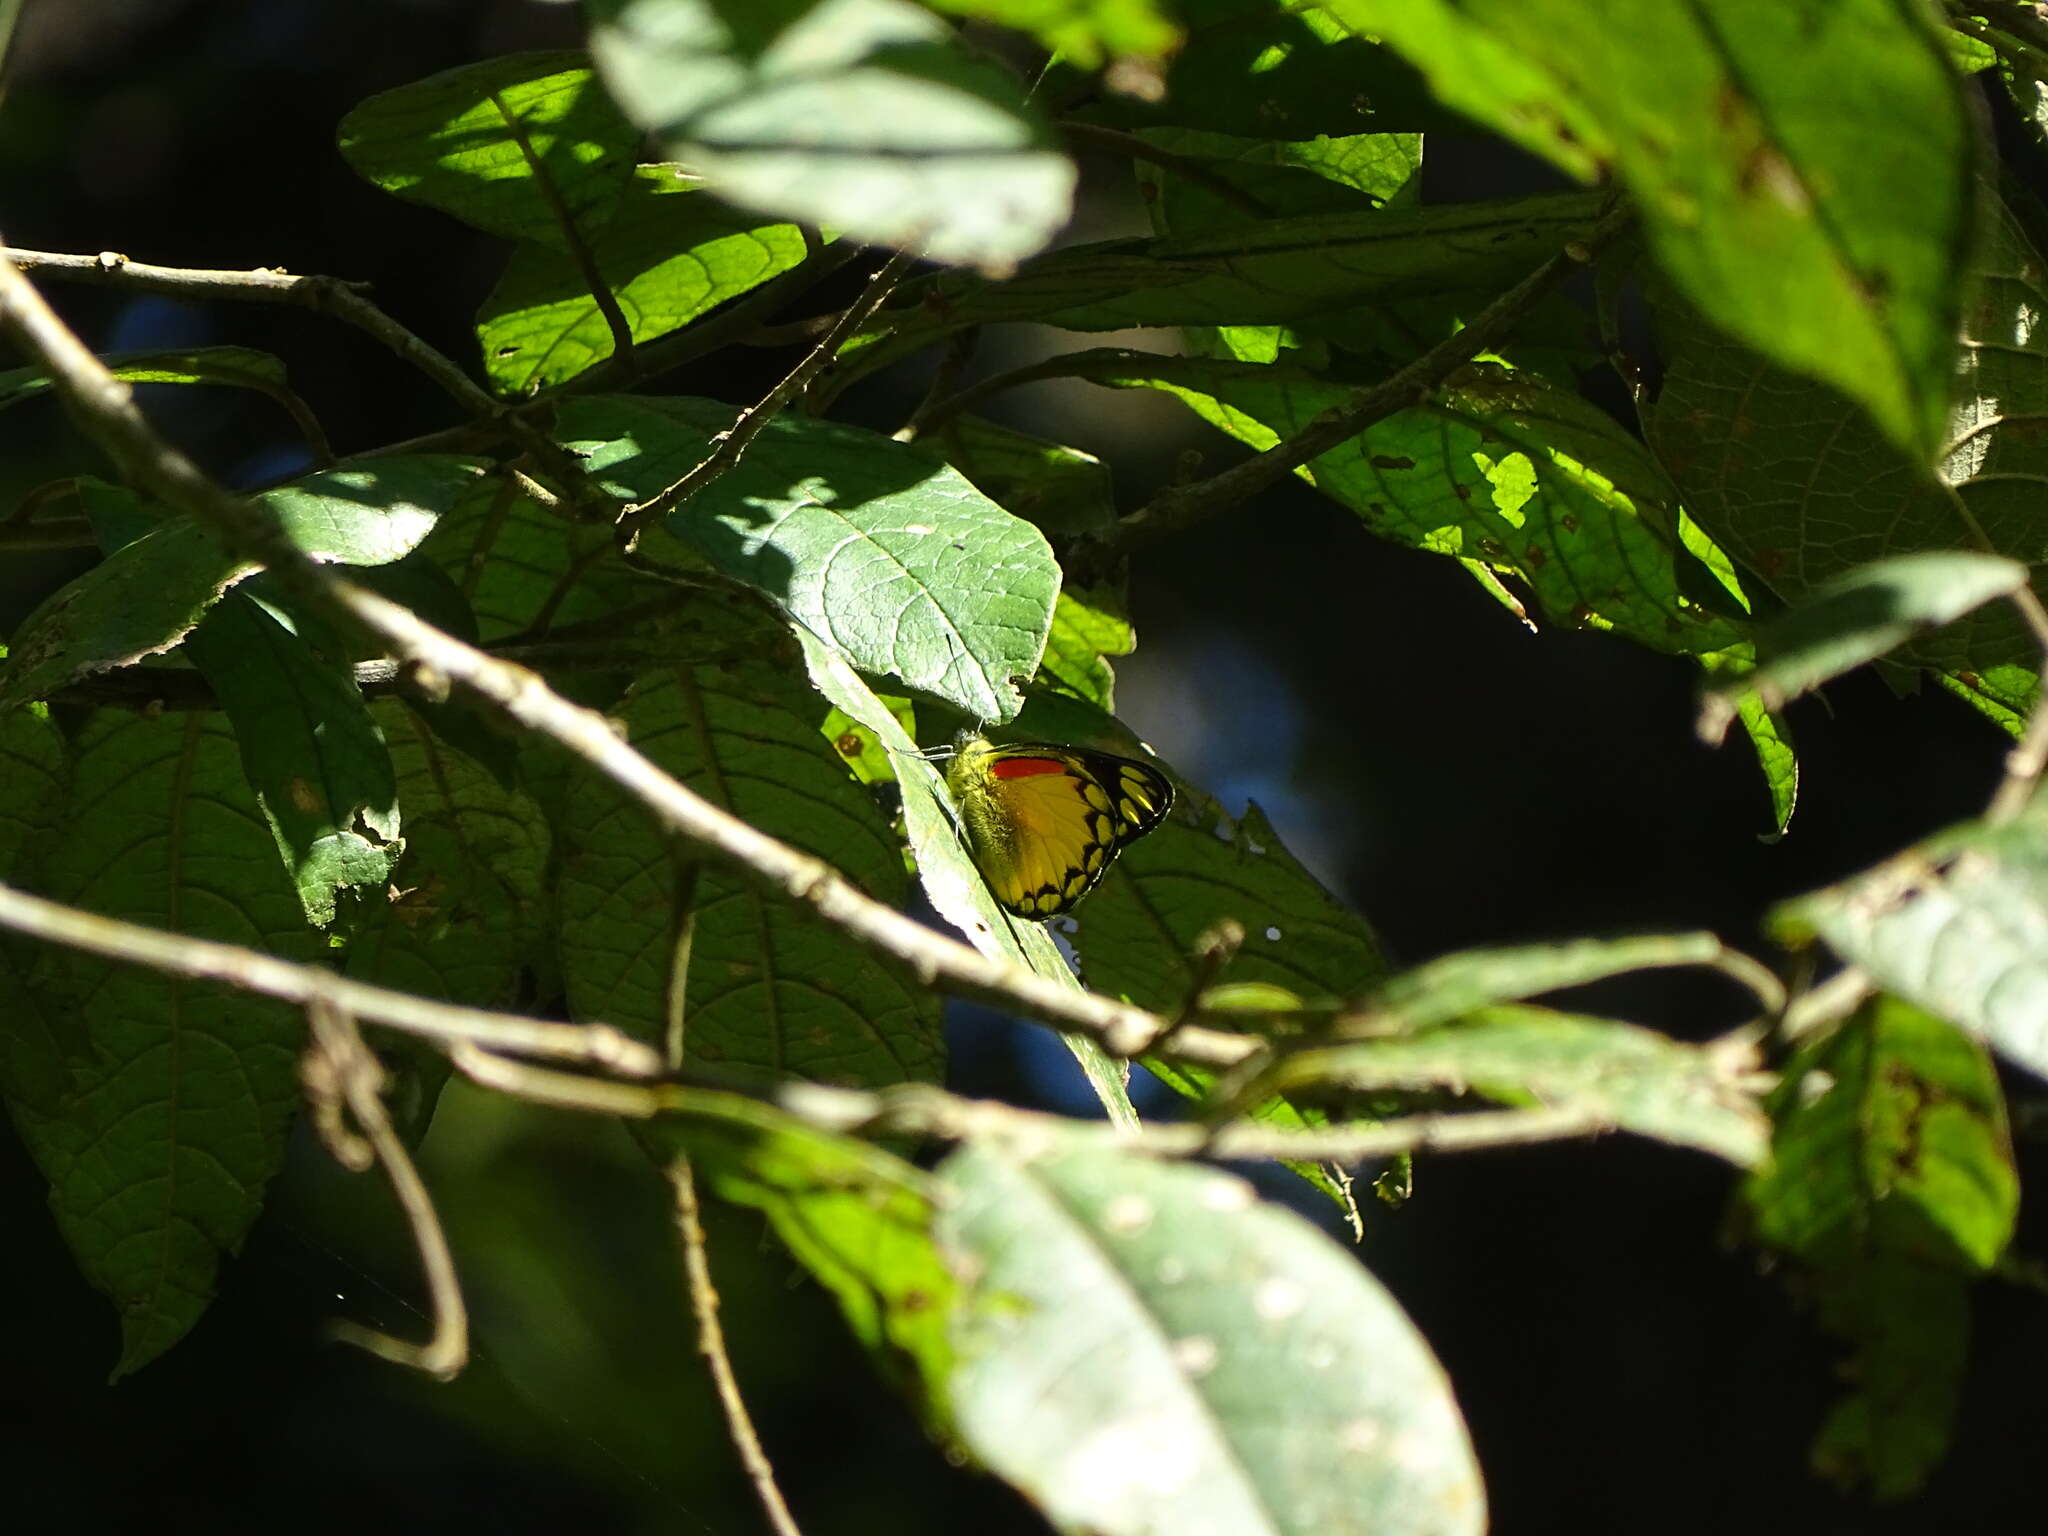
(1458, 779)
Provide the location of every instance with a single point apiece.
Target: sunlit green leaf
(1147, 1348)
(864, 116)
(1753, 170)
(312, 754)
(1794, 483)
(1859, 617)
(872, 545)
(1623, 1075)
(667, 255)
(513, 145)
(1958, 925)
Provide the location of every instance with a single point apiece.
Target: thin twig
(1183, 506)
(339, 1062)
(106, 407)
(331, 296)
(918, 1109)
(579, 250)
(711, 1345)
(727, 447)
(246, 970)
(1189, 170)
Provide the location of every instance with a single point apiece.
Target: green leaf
(865, 116)
(1769, 736)
(521, 566)
(667, 255)
(1636, 1079)
(32, 777)
(167, 1115)
(769, 987)
(1276, 272)
(148, 594)
(1892, 1182)
(1147, 1348)
(311, 752)
(1759, 193)
(1062, 490)
(1087, 629)
(946, 869)
(1282, 177)
(1088, 32)
(1859, 617)
(1497, 467)
(1958, 925)
(1461, 983)
(1138, 931)
(454, 142)
(1799, 488)
(2003, 695)
(244, 367)
(872, 545)
(857, 1218)
(1256, 69)
(469, 907)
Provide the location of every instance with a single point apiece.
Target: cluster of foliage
(1823, 302)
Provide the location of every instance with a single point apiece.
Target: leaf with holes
(1892, 1185)
(1958, 925)
(310, 750)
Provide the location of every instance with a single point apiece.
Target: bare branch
(339, 1062)
(711, 1345)
(330, 296)
(595, 1045)
(918, 1109)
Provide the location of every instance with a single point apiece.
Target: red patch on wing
(1025, 767)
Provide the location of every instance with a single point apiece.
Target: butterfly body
(1044, 821)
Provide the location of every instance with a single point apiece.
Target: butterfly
(1044, 820)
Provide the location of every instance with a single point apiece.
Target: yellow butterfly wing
(1044, 821)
